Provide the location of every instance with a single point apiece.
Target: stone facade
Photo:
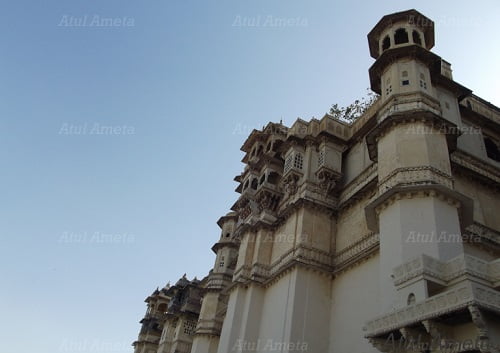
(381, 235)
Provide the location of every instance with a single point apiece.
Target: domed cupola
(401, 29)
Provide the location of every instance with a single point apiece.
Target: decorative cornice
(210, 327)
(218, 281)
(361, 250)
(479, 233)
(462, 202)
(480, 170)
(300, 254)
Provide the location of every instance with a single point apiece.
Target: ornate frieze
(300, 254)
(418, 175)
(477, 232)
(267, 200)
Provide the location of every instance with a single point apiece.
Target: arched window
(262, 178)
(416, 38)
(255, 183)
(400, 36)
(386, 43)
(162, 307)
(492, 150)
(411, 299)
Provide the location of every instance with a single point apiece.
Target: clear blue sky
(188, 81)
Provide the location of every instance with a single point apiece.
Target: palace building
(378, 235)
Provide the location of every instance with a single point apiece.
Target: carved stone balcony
(468, 293)
(445, 303)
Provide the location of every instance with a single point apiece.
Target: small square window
(405, 82)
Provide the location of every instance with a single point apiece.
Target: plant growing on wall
(354, 110)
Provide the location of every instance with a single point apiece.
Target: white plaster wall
(355, 161)
(404, 147)
(354, 301)
(233, 320)
(472, 142)
(315, 229)
(351, 224)
(288, 231)
(411, 227)
(205, 344)
(296, 312)
(485, 201)
(449, 106)
(274, 310)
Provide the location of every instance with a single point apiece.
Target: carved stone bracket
(267, 200)
(244, 208)
(291, 183)
(482, 329)
(327, 180)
